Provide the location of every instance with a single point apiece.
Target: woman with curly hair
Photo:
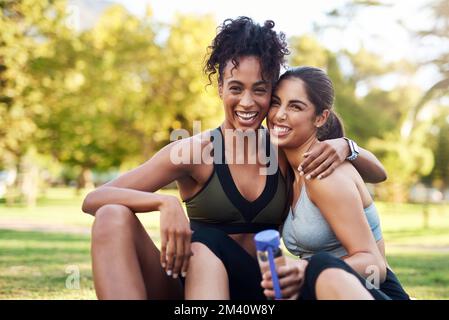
(226, 202)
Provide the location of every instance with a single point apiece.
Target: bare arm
(369, 167)
(135, 189)
(325, 156)
(137, 201)
(339, 201)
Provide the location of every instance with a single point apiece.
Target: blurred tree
(115, 92)
(376, 116)
(404, 162)
(177, 95)
(371, 114)
(102, 98)
(94, 85)
(27, 27)
(350, 72)
(438, 136)
(439, 34)
(431, 99)
(306, 50)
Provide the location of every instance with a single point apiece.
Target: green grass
(33, 264)
(62, 207)
(424, 275)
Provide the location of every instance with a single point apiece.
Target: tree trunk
(29, 181)
(85, 180)
(12, 187)
(425, 216)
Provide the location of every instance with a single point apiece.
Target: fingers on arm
(309, 157)
(163, 257)
(187, 252)
(326, 166)
(179, 257)
(315, 158)
(178, 252)
(328, 171)
(171, 251)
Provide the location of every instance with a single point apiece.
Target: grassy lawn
(35, 265)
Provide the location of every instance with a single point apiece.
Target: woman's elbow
(374, 267)
(379, 176)
(88, 206)
(383, 174)
(382, 271)
(380, 268)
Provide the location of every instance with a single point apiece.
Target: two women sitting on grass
(212, 254)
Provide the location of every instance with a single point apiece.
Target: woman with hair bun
(226, 202)
(333, 225)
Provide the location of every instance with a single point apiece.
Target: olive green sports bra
(219, 204)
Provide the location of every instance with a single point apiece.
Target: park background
(90, 89)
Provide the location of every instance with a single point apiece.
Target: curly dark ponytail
(242, 37)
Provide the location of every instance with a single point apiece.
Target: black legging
(244, 273)
(390, 289)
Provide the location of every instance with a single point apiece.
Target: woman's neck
(296, 155)
(245, 145)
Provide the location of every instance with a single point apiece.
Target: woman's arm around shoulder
(325, 156)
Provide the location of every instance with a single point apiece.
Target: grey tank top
(307, 232)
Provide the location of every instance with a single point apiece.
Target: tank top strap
(217, 139)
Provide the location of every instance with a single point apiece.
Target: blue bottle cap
(267, 238)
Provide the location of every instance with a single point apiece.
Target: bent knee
(320, 263)
(321, 260)
(200, 250)
(203, 255)
(111, 218)
(334, 277)
(204, 262)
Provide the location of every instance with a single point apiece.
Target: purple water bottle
(269, 254)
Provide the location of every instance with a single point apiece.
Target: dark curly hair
(242, 37)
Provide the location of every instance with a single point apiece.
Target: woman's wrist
(346, 150)
(164, 200)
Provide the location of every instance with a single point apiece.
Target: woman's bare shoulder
(202, 139)
(339, 182)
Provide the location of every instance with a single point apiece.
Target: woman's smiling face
(291, 118)
(245, 94)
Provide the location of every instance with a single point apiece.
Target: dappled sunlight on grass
(424, 275)
(64, 210)
(33, 265)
